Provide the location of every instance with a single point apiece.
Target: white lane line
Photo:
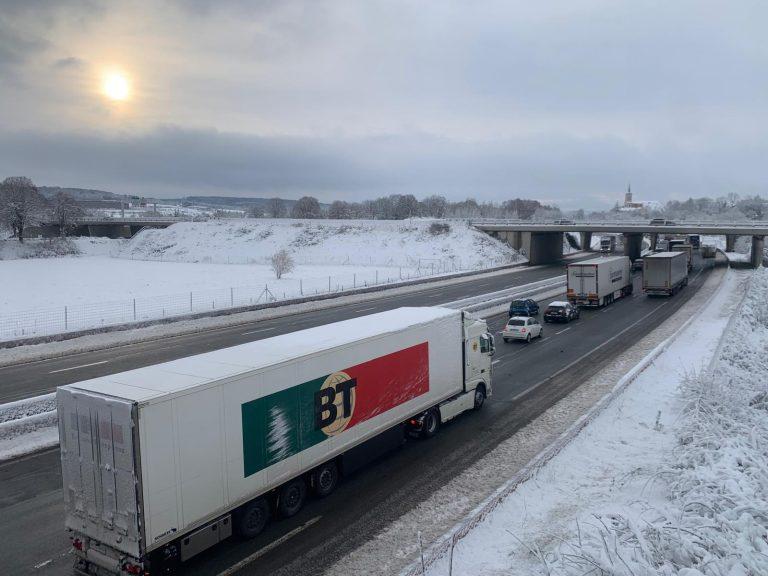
(436, 294)
(495, 361)
(78, 367)
(580, 358)
(365, 309)
(608, 309)
(274, 544)
(42, 564)
(257, 331)
(563, 330)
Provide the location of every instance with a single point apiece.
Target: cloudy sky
(564, 101)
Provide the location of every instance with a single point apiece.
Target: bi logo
(335, 403)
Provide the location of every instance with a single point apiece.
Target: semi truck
(664, 273)
(598, 281)
(607, 244)
(694, 240)
(163, 462)
(687, 249)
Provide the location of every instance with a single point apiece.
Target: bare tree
(65, 210)
(282, 263)
(254, 211)
(339, 210)
(307, 207)
(276, 208)
(21, 204)
(435, 206)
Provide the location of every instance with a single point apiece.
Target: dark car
(563, 221)
(527, 307)
(561, 312)
(662, 222)
(637, 264)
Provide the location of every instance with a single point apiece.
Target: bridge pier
(758, 243)
(542, 247)
(730, 242)
(586, 240)
(654, 240)
(633, 245)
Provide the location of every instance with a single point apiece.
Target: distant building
(630, 204)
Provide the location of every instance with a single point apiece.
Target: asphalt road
(34, 378)
(528, 378)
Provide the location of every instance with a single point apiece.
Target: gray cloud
(69, 63)
(556, 168)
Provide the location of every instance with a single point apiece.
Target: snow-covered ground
(194, 267)
(670, 478)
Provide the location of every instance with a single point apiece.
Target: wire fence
(92, 315)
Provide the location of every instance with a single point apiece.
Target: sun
(115, 86)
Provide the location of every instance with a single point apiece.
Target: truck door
(98, 468)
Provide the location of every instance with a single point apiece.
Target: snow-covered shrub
(713, 519)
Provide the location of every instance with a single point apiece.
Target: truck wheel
(431, 424)
(292, 497)
(325, 478)
(479, 396)
(251, 518)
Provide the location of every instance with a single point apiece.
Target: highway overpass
(102, 226)
(542, 242)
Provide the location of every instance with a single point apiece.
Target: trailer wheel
(479, 396)
(431, 424)
(292, 496)
(251, 518)
(325, 479)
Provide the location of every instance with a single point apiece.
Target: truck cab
(479, 347)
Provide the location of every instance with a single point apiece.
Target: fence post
(401, 272)
(65, 318)
(301, 287)
(329, 284)
(190, 301)
(134, 309)
(377, 276)
(232, 297)
(354, 280)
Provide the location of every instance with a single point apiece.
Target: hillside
(356, 242)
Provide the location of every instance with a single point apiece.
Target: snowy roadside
(100, 341)
(27, 426)
(397, 546)
(670, 478)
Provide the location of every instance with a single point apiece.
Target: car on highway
(563, 222)
(526, 307)
(662, 222)
(561, 312)
(522, 328)
(637, 264)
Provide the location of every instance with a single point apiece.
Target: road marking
(272, 545)
(436, 294)
(495, 361)
(78, 367)
(563, 330)
(42, 564)
(604, 310)
(257, 331)
(580, 358)
(365, 309)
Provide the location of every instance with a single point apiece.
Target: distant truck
(163, 462)
(664, 273)
(708, 251)
(598, 281)
(607, 244)
(687, 249)
(694, 240)
(672, 242)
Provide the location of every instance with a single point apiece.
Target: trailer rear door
(99, 468)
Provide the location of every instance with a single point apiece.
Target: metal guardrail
(743, 225)
(490, 299)
(128, 219)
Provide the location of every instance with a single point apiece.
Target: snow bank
(671, 478)
(28, 425)
(408, 243)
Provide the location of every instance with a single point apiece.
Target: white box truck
(607, 243)
(665, 273)
(598, 281)
(687, 249)
(162, 462)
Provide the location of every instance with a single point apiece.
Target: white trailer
(162, 462)
(599, 281)
(687, 249)
(665, 273)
